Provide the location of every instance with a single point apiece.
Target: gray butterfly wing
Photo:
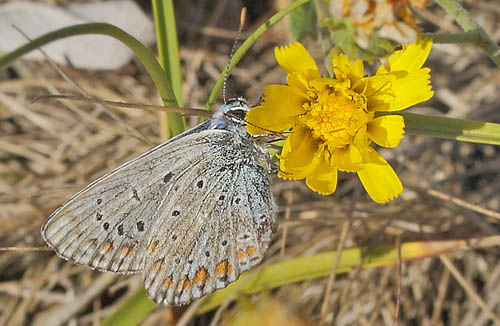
(107, 225)
(217, 224)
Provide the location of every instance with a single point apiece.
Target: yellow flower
(333, 121)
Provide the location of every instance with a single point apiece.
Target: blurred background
(51, 149)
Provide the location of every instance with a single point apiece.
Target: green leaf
(131, 312)
(450, 128)
(342, 36)
(303, 22)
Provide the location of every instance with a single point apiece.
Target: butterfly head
(235, 110)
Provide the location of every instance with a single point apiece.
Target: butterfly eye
(240, 101)
(237, 114)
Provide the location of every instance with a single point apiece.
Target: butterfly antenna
(236, 40)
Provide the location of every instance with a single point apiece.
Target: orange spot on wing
(241, 254)
(184, 284)
(107, 246)
(153, 246)
(125, 251)
(251, 251)
(201, 276)
(156, 267)
(223, 268)
(167, 282)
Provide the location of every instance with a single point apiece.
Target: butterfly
(190, 215)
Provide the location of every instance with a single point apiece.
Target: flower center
(335, 113)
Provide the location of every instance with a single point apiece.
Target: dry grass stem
(333, 273)
(286, 217)
(398, 282)
(469, 288)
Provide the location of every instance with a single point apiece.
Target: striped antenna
(226, 73)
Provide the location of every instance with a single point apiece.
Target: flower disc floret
(336, 114)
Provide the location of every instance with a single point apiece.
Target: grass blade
(132, 311)
(450, 128)
(168, 48)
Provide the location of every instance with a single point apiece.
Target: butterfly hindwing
(217, 225)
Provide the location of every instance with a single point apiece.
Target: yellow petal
(347, 159)
(412, 57)
(378, 91)
(379, 179)
(402, 82)
(323, 178)
(398, 90)
(280, 104)
(386, 130)
(295, 58)
(362, 145)
(297, 158)
(298, 82)
(343, 67)
(411, 89)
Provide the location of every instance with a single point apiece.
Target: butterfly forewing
(106, 226)
(207, 236)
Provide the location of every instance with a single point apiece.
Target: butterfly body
(190, 215)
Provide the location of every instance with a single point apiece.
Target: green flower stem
(450, 128)
(168, 48)
(468, 24)
(465, 37)
(143, 54)
(246, 46)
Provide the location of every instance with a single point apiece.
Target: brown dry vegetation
(49, 150)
